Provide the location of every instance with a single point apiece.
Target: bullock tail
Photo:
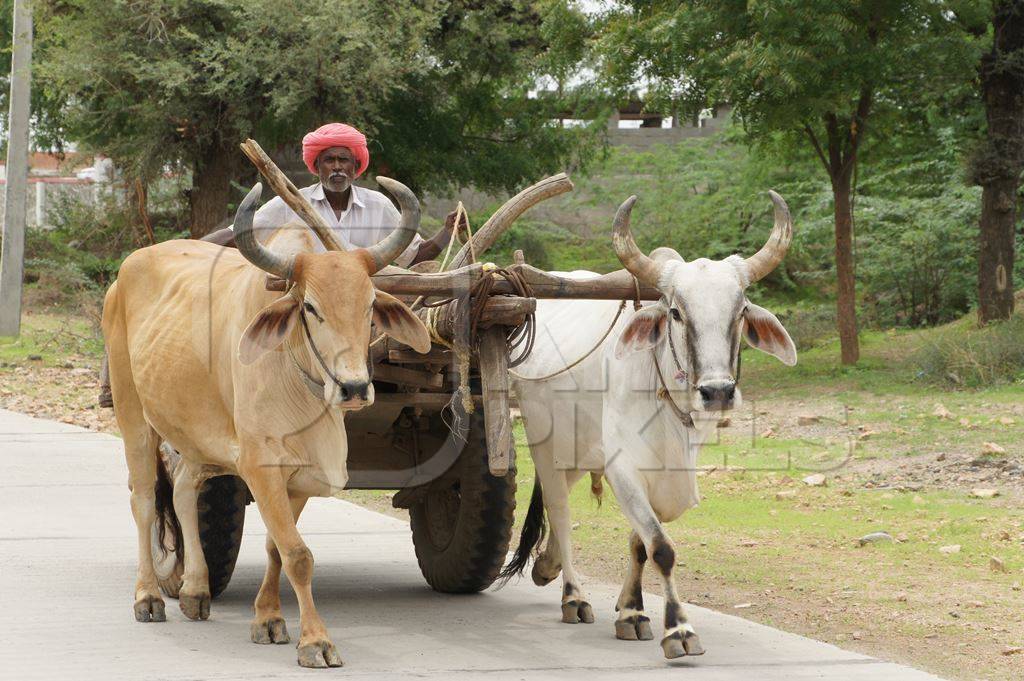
(166, 517)
(531, 536)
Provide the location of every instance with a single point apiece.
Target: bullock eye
(675, 315)
(308, 307)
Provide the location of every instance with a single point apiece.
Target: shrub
(960, 356)
(809, 327)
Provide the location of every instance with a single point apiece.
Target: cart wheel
(221, 506)
(461, 532)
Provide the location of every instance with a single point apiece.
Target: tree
(471, 119)
(998, 163)
(440, 87)
(183, 81)
(46, 118)
(820, 71)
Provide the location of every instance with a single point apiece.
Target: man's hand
(449, 225)
(433, 246)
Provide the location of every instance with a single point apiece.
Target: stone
(951, 549)
(875, 538)
(941, 412)
(807, 420)
(991, 448)
(997, 565)
(785, 494)
(1006, 421)
(815, 480)
(984, 492)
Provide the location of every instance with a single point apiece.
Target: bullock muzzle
(717, 395)
(352, 394)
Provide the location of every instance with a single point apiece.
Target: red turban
(335, 135)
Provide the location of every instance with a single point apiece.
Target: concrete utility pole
(12, 258)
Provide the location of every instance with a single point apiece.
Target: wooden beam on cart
(494, 381)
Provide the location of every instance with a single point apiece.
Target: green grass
(53, 337)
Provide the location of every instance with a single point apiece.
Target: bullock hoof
(272, 630)
(319, 655)
(574, 612)
(543, 574)
(680, 643)
(635, 628)
(150, 609)
(195, 606)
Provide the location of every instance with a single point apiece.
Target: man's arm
(430, 248)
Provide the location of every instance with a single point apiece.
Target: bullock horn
(250, 247)
(639, 265)
(391, 246)
(771, 254)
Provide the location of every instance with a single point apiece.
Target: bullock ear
(764, 331)
(645, 331)
(266, 331)
(391, 316)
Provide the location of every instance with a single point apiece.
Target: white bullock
(638, 409)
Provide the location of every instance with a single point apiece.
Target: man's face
(337, 168)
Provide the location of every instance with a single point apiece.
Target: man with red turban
(360, 217)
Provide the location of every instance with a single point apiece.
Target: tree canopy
(440, 88)
(822, 71)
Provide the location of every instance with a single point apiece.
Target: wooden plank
(502, 311)
(410, 377)
(435, 356)
(494, 380)
(617, 285)
(399, 281)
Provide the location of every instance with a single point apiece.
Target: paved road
(67, 566)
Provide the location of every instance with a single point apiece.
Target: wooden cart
(450, 458)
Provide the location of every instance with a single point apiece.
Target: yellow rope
(462, 354)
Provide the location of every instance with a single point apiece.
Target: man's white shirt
(369, 218)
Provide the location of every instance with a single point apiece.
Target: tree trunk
(998, 167)
(211, 188)
(846, 299)
(995, 250)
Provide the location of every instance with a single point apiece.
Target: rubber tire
(470, 557)
(221, 506)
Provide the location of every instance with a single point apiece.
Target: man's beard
(338, 182)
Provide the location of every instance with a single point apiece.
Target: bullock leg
(194, 596)
(555, 485)
(680, 638)
(141, 449)
(548, 564)
(268, 487)
(632, 624)
(268, 624)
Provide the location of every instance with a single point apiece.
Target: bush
(809, 327)
(960, 356)
(59, 284)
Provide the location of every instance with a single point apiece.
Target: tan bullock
(204, 357)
